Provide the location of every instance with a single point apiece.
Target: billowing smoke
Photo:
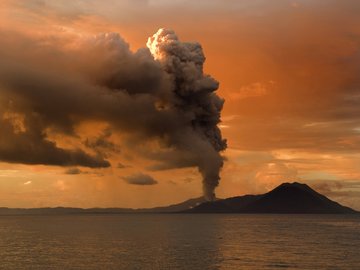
(194, 95)
(157, 93)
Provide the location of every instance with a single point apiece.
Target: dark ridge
(74, 211)
(191, 203)
(288, 198)
(229, 205)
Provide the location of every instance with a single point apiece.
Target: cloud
(32, 147)
(102, 144)
(311, 52)
(194, 97)
(253, 90)
(159, 93)
(140, 179)
(73, 171)
(345, 191)
(122, 166)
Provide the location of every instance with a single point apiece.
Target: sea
(180, 241)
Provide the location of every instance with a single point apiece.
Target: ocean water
(177, 241)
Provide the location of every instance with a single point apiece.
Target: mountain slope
(230, 205)
(191, 203)
(73, 211)
(288, 198)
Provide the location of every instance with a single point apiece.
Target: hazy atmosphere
(143, 103)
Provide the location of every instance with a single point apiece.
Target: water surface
(176, 241)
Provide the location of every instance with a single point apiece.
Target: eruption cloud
(156, 93)
(194, 95)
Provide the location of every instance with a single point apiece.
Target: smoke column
(193, 95)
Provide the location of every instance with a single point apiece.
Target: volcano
(288, 198)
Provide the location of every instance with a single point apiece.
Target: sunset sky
(289, 72)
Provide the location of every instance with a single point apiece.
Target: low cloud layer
(73, 171)
(140, 180)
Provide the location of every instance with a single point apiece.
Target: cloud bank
(140, 180)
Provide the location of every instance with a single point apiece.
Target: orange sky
(288, 71)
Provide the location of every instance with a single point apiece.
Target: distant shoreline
(287, 198)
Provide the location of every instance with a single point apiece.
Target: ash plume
(194, 97)
(156, 93)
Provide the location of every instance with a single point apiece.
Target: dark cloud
(55, 99)
(156, 93)
(195, 98)
(32, 147)
(140, 179)
(73, 171)
(102, 144)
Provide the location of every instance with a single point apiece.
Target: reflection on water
(180, 242)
